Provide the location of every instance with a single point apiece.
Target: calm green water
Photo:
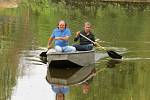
(24, 32)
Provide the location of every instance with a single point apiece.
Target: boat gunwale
(69, 53)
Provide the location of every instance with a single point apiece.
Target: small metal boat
(82, 58)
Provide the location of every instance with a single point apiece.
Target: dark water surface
(24, 32)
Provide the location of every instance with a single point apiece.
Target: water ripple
(136, 58)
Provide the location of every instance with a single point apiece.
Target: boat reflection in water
(62, 77)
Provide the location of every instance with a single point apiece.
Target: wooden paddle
(111, 53)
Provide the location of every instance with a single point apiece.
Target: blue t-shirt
(60, 89)
(61, 33)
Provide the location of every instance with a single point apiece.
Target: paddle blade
(43, 57)
(114, 55)
(43, 54)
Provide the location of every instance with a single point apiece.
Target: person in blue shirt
(60, 91)
(61, 36)
(60, 88)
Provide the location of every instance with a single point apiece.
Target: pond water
(124, 28)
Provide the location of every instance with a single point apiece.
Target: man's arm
(66, 38)
(50, 42)
(77, 36)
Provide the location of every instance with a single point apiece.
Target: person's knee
(73, 49)
(58, 49)
(69, 49)
(90, 47)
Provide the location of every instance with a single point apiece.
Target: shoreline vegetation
(127, 1)
(14, 3)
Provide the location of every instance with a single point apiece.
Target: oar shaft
(93, 41)
(87, 38)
